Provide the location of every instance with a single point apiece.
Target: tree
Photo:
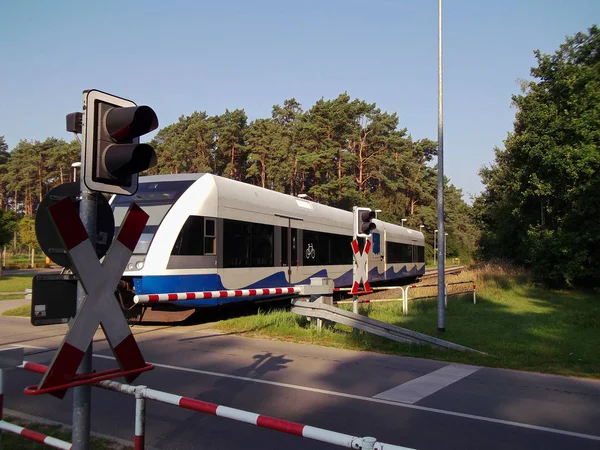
(4, 157)
(8, 225)
(28, 237)
(230, 155)
(542, 197)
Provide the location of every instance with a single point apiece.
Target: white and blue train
(208, 233)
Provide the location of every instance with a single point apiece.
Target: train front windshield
(155, 198)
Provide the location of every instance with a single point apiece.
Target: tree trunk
(232, 170)
(40, 184)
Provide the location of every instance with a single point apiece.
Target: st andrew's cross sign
(100, 307)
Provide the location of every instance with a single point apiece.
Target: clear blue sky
(183, 56)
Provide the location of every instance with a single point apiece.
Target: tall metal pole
(441, 237)
(82, 395)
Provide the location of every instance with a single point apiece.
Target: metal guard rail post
(460, 292)
(405, 299)
(142, 393)
(405, 304)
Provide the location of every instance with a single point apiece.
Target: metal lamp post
(434, 246)
(75, 166)
(440, 169)
(445, 246)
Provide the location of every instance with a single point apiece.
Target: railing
(405, 290)
(143, 393)
(446, 294)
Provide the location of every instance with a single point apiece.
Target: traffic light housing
(363, 221)
(114, 155)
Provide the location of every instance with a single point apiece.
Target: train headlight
(130, 266)
(139, 265)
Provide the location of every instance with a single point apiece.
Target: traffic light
(363, 221)
(113, 153)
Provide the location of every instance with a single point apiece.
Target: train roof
(243, 201)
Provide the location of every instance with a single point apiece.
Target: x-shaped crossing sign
(359, 274)
(100, 307)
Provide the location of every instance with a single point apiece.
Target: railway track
(432, 273)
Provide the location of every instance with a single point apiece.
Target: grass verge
(17, 442)
(520, 325)
(11, 296)
(21, 311)
(15, 283)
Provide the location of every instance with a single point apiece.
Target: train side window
(247, 244)
(190, 242)
(398, 253)
(209, 237)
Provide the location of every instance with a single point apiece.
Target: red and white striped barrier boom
(34, 435)
(306, 431)
(161, 298)
(25, 432)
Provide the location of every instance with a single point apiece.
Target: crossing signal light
(363, 221)
(114, 155)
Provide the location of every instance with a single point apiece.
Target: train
(210, 233)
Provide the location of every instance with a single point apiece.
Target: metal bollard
(474, 295)
(140, 418)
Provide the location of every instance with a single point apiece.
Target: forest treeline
(541, 203)
(540, 207)
(340, 152)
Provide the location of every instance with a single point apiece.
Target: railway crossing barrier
(143, 393)
(179, 296)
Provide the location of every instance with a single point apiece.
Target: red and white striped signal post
(99, 281)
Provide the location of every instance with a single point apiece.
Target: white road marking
(376, 400)
(419, 388)
(28, 346)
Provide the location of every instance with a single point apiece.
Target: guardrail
(142, 393)
(405, 290)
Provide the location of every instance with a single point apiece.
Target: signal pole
(441, 237)
(82, 395)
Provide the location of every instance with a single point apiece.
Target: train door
(289, 246)
(415, 252)
(377, 257)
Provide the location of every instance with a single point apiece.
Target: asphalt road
(404, 401)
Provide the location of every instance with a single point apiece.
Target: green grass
(519, 325)
(15, 283)
(16, 442)
(21, 311)
(11, 296)
(23, 261)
